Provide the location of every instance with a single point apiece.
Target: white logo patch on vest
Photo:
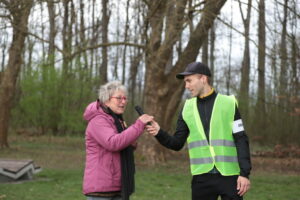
(237, 126)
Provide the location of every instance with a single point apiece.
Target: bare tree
(52, 32)
(118, 48)
(205, 50)
(283, 56)
(244, 88)
(212, 51)
(260, 105)
(83, 40)
(125, 40)
(228, 77)
(19, 12)
(295, 65)
(162, 91)
(105, 21)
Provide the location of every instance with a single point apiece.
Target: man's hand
(153, 128)
(243, 185)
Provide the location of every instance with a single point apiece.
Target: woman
(109, 167)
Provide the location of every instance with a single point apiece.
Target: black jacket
(205, 106)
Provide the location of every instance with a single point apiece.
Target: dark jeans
(210, 186)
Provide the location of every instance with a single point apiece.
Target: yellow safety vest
(221, 150)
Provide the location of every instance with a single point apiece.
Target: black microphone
(140, 111)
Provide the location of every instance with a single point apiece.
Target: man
(218, 145)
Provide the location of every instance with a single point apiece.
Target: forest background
(56, 53)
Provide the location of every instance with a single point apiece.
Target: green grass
(62, 160)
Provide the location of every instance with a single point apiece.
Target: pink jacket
(103, 145)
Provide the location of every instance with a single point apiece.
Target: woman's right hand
(146, 118)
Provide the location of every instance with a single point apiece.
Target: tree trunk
(212, 53)
(52, 33)
(125, 40)
(244, 88)
(205, 51)
(19, 11)
(105, 21)
(83, 41)
(118, 48)
(260, 104)
(283, 80)
(228, 77)
(66, 47)
(295, 69)
(162, 91)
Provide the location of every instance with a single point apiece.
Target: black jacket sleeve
(242, 146)
(175, 142)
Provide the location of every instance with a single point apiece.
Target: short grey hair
(106, 91)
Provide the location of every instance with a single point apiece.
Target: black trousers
(211, 186)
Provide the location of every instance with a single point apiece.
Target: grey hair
(106, 91)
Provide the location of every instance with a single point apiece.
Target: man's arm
(175, 142)
(242, 144)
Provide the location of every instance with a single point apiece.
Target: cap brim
(183, 74)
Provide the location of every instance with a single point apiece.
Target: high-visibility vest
(221, 150)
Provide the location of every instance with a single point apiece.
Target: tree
(244, 88)
(283, 83)
(205, 51)
(52, 32)
(105, 21)
(125, 40)
(212, 49)
(260, 104)
(19, 12)
(162, 91)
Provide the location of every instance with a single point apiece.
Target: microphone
(140, 111)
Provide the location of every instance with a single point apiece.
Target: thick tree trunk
(135, 62)
(19, 11)
(162, 91)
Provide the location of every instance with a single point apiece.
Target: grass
(62, 160)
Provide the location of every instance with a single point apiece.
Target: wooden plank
(14, 166)
(17, 169)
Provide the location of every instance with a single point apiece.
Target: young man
(218, 145)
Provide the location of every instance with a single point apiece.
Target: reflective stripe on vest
(212, 142)
(210, 159)
(221, 150)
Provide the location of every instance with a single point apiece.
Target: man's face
(195, 84)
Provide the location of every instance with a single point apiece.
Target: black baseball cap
(194, 68)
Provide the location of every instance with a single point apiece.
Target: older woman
(109, 166)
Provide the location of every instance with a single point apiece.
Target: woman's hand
(146, 118)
